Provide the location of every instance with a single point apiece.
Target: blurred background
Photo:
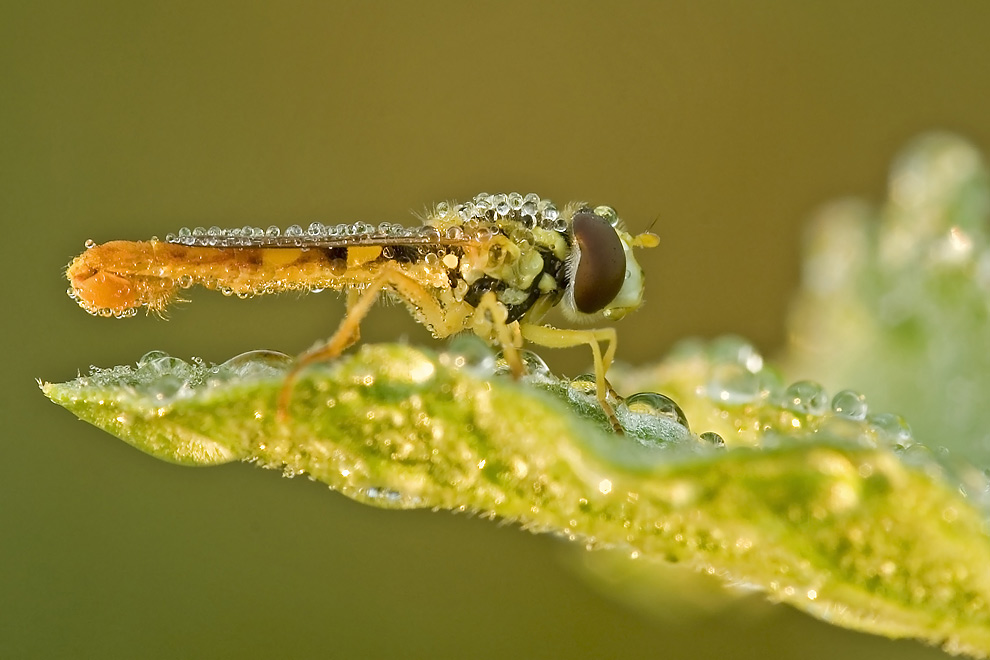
(728, 123)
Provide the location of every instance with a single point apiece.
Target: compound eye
(601, 267)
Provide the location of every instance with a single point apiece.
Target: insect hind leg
(359, 303)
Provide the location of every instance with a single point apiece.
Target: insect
(493, 266)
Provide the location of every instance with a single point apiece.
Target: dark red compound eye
(601, 267)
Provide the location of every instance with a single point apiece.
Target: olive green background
(727, 122)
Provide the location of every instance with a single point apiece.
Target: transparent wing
(320, 236)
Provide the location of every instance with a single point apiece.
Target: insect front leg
(490, 324)
(359, 303)
(551, 337)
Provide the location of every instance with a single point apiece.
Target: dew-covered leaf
(820, 508)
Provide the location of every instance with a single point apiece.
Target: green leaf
(824, 511)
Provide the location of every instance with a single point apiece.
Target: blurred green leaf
(895, 300)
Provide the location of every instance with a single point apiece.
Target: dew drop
(149, 357)
(713, 439)
(735, 350)
(654, 403)
(469, 351)
(890, 428)
(534, 368)
(733, 384)
(256, 364)
(90, 243)
(608, 214)
(534, 365)
(850, 404)
(806, 397)
(585, 383)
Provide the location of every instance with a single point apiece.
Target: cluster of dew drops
(738, 384)
(529, 209)
(736, 378)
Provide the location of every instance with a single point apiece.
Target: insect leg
(551, 337)
(359, 303)
(490, 322)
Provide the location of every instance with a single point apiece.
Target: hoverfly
(493, 266)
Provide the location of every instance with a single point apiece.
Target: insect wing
(317, 236)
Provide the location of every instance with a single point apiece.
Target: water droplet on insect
(515, 201)
(294, 230)
(806, 397)
(90, 243)
(454, 233)
(608, 214)
(712, 438)
(654, 403)
(273, 231)
(184, 281)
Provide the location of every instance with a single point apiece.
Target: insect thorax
(519, 254)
